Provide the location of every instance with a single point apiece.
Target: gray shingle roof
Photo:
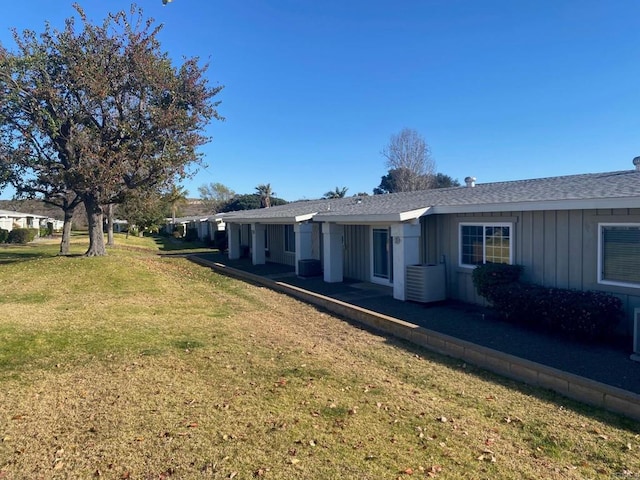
(594, 190)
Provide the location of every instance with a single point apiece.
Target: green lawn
(146, 366)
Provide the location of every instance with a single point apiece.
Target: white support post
(233, 230)
(333, 246)
(257, 241)
(405, 238)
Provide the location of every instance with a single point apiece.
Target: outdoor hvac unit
(425, 283)
(636, 335)
(309, 268)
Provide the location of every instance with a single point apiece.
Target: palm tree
(175, 198)
(337, 193)
(265, 192)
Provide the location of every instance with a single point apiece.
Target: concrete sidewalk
(604, 376)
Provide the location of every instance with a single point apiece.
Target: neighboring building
(10, 220)
(205, 225)
(578, 231)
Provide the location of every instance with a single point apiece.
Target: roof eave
(575, 204)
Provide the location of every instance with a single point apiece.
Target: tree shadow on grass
(177, 246)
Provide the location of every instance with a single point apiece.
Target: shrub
(219, 241)
(491, 274)
(579, 314)
(22, 235)
(4, 235)
(192, 235)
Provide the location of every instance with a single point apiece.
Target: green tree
(265, 193)
(102, 110)
(337, 193)
(248, 202)
(175, 198)
(445, 181)
(214, 195)
(389, 182)
(143, 209)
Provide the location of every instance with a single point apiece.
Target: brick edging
(567, 384)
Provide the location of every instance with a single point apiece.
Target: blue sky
(500, 89)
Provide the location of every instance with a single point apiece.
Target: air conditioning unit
(309, 268)
(636, 335)
(425, 283)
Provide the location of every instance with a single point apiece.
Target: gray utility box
(425, 283)
(309, 268)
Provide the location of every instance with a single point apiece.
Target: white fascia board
(374, 218)
(586, 204)
(272, 220)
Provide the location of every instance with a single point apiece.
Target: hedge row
(18, 235)
(578, 314)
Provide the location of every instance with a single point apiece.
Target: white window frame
(484, 243)
(293, 239)
(601, 280)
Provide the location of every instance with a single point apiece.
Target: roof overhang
(374, 218)
(271, 220)
(582, 204)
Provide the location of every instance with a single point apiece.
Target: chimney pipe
(471, 181)
(636, 162)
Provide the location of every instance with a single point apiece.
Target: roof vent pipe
(470, 181)
(636, 162)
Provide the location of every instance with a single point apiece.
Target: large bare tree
(101, 110)
(408, 156)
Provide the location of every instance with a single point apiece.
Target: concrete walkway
(598, 375)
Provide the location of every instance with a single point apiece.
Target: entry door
(382, 258)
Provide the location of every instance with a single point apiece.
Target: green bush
(22, 235)
(578, 314)
(4, 235)
(191, 235)
(491, 274)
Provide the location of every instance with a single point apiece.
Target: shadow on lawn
(177, 246)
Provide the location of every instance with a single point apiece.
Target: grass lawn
(145, 366)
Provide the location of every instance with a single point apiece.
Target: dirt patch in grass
(172, 371)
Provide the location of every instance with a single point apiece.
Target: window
(289, 239)
(482, 243)
(619, 254)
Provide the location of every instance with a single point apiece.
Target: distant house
(10, 220)
(578, 231)
(205, 225)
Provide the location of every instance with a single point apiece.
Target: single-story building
(205, 225)
(10, 220)
(577, 231)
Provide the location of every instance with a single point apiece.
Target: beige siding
(357, 251)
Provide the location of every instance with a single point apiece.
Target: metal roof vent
(636, 162)
(470, 181)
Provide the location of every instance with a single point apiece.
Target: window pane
(472, 249)
(621, 254)
(498, 238)
(380, 253)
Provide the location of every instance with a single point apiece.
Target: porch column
(234, 240)
(257, 241)
(333, 245)
(304, 242)
(405, 239)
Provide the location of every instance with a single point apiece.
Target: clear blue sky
(500, 89)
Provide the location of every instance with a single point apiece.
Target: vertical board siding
(357, 247)
(276, 246)
(556, 248)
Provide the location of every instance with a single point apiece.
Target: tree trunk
(94, 219)
(65, 244)
(110, 241)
